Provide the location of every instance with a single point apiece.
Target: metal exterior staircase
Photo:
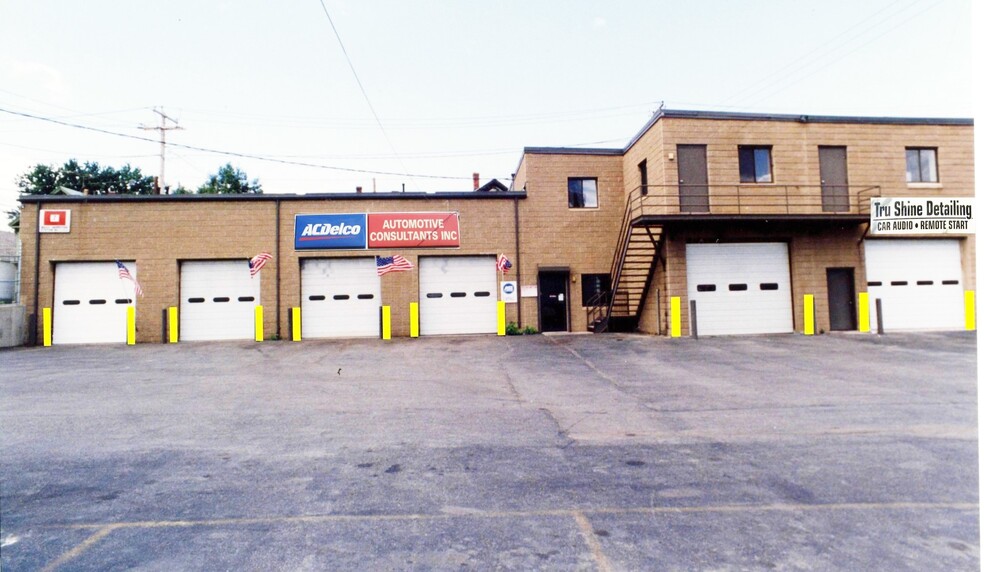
(631, 273)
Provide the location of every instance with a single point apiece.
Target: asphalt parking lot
(576, 452)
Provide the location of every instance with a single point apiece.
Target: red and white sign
(413, 230)
(55, 221)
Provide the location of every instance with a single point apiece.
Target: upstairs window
(582, 193)
(755, 164)
(920, 165)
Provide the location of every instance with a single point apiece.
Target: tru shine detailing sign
(376, 230)
(916, 216)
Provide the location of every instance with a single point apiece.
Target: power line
(836, 59)
(361, 87)
(226, 153)
(825, 55)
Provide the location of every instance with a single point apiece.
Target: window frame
(935, 167)
(590, 278)
(580, 191)
(754, 149)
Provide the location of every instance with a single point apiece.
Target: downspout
(519, 297)
(37, 273)
(276, 254)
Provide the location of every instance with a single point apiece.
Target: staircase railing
(598, 307)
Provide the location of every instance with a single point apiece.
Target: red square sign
(55, 220)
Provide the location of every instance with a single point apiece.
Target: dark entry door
(840, 299)
(833, 179)
(692, 168)
(553, 301)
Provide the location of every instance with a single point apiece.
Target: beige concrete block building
(734, 218)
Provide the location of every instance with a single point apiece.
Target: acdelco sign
(330, 231)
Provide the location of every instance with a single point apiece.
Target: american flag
(395, 263)
(502, 264)
(257, 262)
(125, 275)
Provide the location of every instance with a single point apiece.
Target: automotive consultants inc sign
(376, 230)
(413, 230)
(330, 231)
(915, 216)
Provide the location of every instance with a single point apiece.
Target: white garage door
(340, 297)
(218, 299)
(458, 295)
(91, 302)
(740, 288)
(918, 282)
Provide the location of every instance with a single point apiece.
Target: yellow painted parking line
(591, 539)
(76, 551)
(558, 513)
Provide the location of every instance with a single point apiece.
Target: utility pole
(163, 129)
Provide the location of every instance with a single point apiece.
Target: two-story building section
(730, 223)
(737, 217)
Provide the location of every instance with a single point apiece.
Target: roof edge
(470, 195)
(572, 151)
(791, 117)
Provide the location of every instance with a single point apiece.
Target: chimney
(475, 180)
(358, 190)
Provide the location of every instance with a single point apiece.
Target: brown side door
(692, 170)
(833, 179)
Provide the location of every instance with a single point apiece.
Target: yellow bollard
(172, 324)
(46, 326)
(809, 328)
(675, 317)
(864, 313)
(131, 325)
(501, 314)
(970, 310)
(387, 323)
(258, 323)
(295, 324)
(414, 320)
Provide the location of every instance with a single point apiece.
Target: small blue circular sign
(508, 288)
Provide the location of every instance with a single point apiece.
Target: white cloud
(599, 22)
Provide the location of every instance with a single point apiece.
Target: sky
(440, 89)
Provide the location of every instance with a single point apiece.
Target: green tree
(87, 177)
(46, 180)
(230, 180)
